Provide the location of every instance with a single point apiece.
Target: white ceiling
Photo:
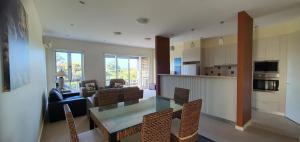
(96, 20)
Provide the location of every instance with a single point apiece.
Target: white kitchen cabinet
(231, 55)
(266, 49)
(260, 50)
(219, 56)
(191, 51)
(206, 57)
(273, 49)
(210, 56)
(266, 101)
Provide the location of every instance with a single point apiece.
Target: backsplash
(225, 70)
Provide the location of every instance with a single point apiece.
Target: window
(71, 64)
(134, 70)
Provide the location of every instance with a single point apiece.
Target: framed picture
(14, 46)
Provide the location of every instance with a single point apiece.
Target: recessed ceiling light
(81, 2)
(117, 33)
(142, 20)
(147, 38)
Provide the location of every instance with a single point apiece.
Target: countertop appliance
(190, 69)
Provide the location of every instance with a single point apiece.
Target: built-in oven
(266, 66)
(266, 82)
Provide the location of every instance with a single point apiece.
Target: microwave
(266, 66)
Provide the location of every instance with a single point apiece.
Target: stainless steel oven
(266, 82)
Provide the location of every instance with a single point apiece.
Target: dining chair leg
(92, 124)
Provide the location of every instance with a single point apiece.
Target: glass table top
(125, 116)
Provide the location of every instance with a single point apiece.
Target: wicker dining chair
(131, 95)
(156, 127)
(186, 129)
(181, 96)
(88, 136)
(108, 98)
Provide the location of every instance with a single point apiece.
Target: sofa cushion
(73, 98)
(55, 95)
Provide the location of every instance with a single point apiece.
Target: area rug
(204, 139)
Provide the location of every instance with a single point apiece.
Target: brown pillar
(244, 74)
(162, 59)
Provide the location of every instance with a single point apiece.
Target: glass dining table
(124, 120)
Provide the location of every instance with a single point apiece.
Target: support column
(244, 70)
(162, 59)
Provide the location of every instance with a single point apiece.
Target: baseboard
(273, 112)
(244, 127)
(41, 131)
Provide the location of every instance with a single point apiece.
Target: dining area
(155, 119)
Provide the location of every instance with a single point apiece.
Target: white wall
(94, 67)
(21, 110)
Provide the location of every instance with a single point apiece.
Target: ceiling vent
(142, 20)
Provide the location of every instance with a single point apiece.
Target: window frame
(128, 57)
(69, 60)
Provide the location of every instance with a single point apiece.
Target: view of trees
(71, 80)
(120, 70)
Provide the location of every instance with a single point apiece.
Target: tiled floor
(212, 128)
(222, 131)
(215, 129)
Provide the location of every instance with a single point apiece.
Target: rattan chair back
(71, 124)
(181, 95)
(156, 127)
(190, 118)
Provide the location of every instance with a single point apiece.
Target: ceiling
(97, 20)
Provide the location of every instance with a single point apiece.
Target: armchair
(112, 83)
(88, 88)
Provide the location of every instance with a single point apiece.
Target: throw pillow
(90, 86)
(118, 85)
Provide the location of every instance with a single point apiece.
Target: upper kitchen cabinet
(218, 56)
(192, 51)
(231, 55)
(266, 49)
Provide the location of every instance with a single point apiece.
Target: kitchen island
(218, 93)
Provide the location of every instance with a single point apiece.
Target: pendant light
(221, 39)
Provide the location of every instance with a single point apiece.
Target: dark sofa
(56, 101)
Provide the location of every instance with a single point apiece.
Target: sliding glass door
(123, 69)
(72, 65)
(134, 70)
(110, 68)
